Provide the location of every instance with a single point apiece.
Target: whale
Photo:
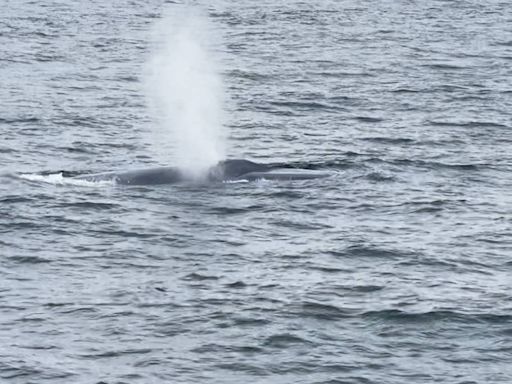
(224, 171)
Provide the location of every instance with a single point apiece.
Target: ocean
(394, 269)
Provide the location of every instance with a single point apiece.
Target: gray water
(394, 270)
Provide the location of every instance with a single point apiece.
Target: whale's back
(226, 170)
(232, 169)
(152, 176)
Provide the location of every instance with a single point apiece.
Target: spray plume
(185, 93)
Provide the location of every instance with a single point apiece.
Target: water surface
(395, 270)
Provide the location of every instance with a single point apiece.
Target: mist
(185, 92)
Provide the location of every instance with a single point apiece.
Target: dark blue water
(395, 270)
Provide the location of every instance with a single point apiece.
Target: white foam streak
(185, 93)
(58, 179)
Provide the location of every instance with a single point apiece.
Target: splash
(59, 179)
(185, 93)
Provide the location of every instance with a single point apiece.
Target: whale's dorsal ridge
(226, 170)
(234, 168)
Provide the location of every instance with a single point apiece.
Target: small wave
(468, 124)
(284, 340)
(199, 277)
(28, 259)
(236, 284)
(6, 150)
(76, 150)
(444, 66)
(379, 177)
(248, 75)
(116, 353)
(92, 205)
(14, 199)
(405, 90)
(28, 119)
(430, 164)
(228, 210)
(389, 140)
(323, 311)
(428, 210)
(396, 315)
(368, 119)
(503, 43)
(305, 105)
(60, 179)
(367, 251)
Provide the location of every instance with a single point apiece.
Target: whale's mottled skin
(227, 170)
